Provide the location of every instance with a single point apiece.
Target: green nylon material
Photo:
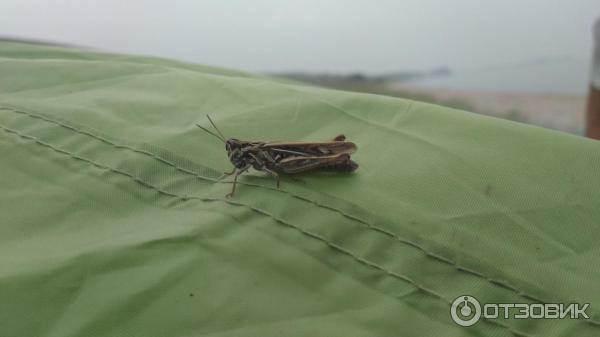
(112, 222)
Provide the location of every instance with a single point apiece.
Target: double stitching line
(303, 231)
(367, 224)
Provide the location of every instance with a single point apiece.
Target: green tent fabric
(112, 222)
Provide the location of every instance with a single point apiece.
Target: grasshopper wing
(340, 162)
(308, 149)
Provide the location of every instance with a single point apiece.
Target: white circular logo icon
(465, 310)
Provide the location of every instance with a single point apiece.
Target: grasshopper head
(232, 144)
(234, 152)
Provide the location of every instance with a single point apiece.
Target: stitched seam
(303, 231)
(368, 225)
(359, 220)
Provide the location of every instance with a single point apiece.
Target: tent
(113, 222)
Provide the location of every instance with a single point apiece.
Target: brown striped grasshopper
(277, 158)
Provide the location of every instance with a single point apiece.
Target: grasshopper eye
(228, 146)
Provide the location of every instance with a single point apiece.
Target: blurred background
(524, 60)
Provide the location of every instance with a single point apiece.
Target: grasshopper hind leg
(274, 174)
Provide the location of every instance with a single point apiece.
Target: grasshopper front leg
(230, 194)
(226, 174)
(240, 171)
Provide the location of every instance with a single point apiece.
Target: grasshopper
(277, 158)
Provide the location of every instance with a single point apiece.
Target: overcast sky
(315, 35)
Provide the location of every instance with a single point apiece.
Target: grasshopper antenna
(219, 136)
(210, 132)
(216, 128)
